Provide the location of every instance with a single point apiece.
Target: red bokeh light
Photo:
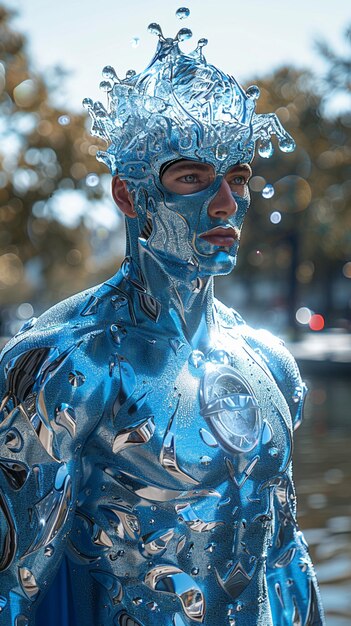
(316, 322)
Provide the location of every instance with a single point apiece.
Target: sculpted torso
(162, 473)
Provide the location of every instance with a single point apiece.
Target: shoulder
(70, 344)
(275, 355)
(76, 319)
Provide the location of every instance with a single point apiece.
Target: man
(146, 431)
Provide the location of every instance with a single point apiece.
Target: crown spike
(110, 73)
(183, 34)
(155, 29)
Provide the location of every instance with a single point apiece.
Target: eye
(238, 180)
(189, 178)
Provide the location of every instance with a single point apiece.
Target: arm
(292, 584)
(43, 426)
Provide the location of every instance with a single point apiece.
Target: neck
(186, 300)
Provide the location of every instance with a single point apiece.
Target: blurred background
(60, 232)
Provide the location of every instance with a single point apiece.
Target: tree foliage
(307, 246)
(298, 240)
(42, 150)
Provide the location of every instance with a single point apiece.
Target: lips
(224, 236)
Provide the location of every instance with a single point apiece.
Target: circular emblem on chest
(230, 408)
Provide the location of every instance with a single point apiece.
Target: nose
(223, 204)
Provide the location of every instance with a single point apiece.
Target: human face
(211, 208)
(187, 177)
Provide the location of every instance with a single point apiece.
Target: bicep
(39, 479)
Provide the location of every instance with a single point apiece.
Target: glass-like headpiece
(181, 107)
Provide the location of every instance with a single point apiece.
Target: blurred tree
(45, 155)
(338, 76)
(299, 233)
(296, 246)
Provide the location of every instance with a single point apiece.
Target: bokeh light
(275, 217)
(64, 120)
(346, 270)
(25, 311)
(303, 315)
(268, 191)
(316, 322)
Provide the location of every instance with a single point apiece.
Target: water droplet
(221, 152)
(208, 438)
(265, 149)
(205, 460)
(298, 393)
(92, 180)
(274, 452)
(184, 34)
(195, 571)
(76, 378)
(135, 42)
(267, 433)
(117, 333)
(182, 13)
(275, 217)
(189, 553)
(287, 144)
(268, 191)
(64, 120)
(202, 42)
(196, 358)
(219, 356)
(49, 551)
(130, 73)
(155, 29)
(152, 521)
(88, 103)
(118, 301)
(253, 92)
(106, 85)
(109, 72)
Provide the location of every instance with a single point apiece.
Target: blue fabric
(57, 607)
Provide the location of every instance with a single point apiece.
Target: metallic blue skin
(154, 462)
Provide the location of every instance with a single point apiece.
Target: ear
(122, 197)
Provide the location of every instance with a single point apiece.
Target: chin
(219, 264)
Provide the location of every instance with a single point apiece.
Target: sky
(246, 38)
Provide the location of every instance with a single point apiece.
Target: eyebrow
(190, 165)
(185, 166)
(244, 167)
